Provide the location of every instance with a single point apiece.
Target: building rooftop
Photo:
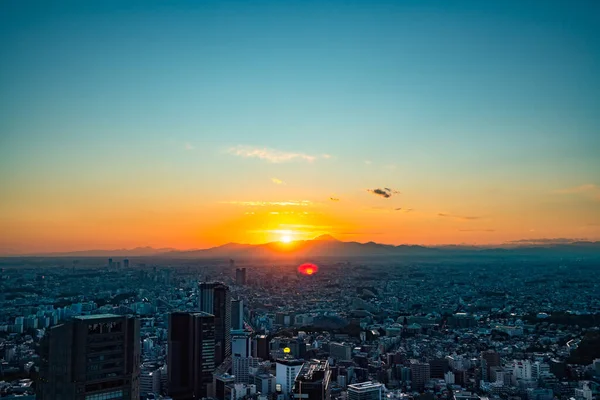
(364, 386)
(96, 316)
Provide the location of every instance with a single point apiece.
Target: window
(118, 394)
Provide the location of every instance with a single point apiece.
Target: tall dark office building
(261, 347)
(94, 357)
(313, 381)
(240, 276)
(125, 263)
(191, 354)
(215, 298)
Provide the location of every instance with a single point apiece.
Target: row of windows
(105, 338)
(92, 377)
(102, 349)
(109, 365)
(94, 387)
(105, 327)
(104, 357)
(118, 394)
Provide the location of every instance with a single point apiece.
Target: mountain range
(328, 246)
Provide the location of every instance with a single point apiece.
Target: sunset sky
(190, 124)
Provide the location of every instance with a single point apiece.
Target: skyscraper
(214, 298)
(125, 263)
(237, 315)
(191, 354)
(240, 276)
(92, 357)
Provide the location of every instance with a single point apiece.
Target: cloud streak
(277, 181)
(458, 217)
(189, 146)
(334, 199)
(272, 155)
(291, 203)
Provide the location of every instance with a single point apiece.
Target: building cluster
(152, 329)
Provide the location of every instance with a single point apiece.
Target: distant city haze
(188, 125)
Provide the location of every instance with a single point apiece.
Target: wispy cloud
(272, 155)
(291, 203)
(406, 210)
(590, 190)
(458, 217)
(305, 226)
(277, 181)
(189, 146)
(385, 192)
(334, 199)
(368, 162)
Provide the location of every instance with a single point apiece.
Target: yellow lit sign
(286, 350)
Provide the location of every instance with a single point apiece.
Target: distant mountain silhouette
(329, 246)
(135, 252)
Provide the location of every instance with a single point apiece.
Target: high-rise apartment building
(215, 298)
(191, 354)
(93, 357)
(420, 374)
(241, 367)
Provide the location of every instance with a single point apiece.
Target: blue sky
(103, 96)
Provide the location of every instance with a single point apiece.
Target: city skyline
(193, 125)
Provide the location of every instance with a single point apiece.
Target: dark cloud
(398, 209)
(385, 192)
(547, 241)
(403, 209)
(334, 199)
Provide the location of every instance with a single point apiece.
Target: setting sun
(286, 239)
